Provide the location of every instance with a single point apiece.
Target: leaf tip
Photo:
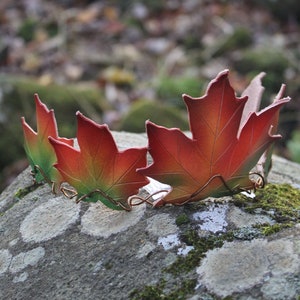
(52, 140)
(186, 96)
(37, 98)
(150, 124)
(223, 73)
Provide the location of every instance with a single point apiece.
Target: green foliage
(27, 29)
(164, 115)
(170, 89)
(293, 146)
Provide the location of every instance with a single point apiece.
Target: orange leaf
(98, 170)
(217, 160)
(40, 153)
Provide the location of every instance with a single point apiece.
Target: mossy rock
(17, 100)
(267, 60)
(239, 39)
(280, 201)
(163, 115)
(262, 59)
(170, 89)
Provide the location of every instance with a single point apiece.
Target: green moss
(267, 229)
(163, 115)
(279, 201)
(157, 292)
(186, 287)
(21, 193)
(201, 245)
(170, 89)
(182, 219)
(149, 292)
(182, 266)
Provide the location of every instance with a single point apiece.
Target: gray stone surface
(52, 248)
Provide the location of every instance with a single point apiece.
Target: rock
(227, 270)
(53, 248)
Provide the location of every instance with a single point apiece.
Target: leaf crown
(229, 152)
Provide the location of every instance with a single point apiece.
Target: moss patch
(182, 267)
(182, 219)
(157, 292)
(169, 89)
(165, 115)
(280, 201)
(201, 245)
(267, 229)
(21, 193)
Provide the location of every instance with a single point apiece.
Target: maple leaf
(39, 151)
(227, 142)
(254, 93)
(98, 171)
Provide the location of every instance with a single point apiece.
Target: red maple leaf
(98, 171)
(39, 151)
(227, 142)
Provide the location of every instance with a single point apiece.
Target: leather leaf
(224, 147)
(98, 170)
(39, 151)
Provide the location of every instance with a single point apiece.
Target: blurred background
(122, 62)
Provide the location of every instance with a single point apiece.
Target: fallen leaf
(98, 170)
(217, 160)
(39, 151)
